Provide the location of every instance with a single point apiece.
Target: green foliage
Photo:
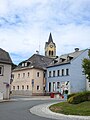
(79, 97)
(89, 53)
(82, 109)
(70, 95)
(86, 66)
(65, 91)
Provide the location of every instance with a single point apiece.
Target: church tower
(50, 48)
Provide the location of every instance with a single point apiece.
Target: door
(49, 86)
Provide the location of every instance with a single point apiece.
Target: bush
(65, 91)
(70, 95)
(79, 97)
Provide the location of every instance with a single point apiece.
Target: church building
(50, 48)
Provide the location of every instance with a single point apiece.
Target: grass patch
(82, 109)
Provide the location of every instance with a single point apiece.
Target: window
(53, 73)
(13, 87)
(58, 72)
(44, 88)
(18, 75)
(62, 72)
(28, 74)
(52, 53)
(22, 64)
(12, 76)
(38, 87)
(1, 70)
(25, 64)
(18, 87)
(32, 82)
(54, 86)
(67, 71)
(23, 75)
(22, 87)
(58, 85)
(44, 74)
(49, 73)
(38, 74)
(27, 87)
(49, 53)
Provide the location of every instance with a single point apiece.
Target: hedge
(70, 95)
(79, 97)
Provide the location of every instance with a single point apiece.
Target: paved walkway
(43, 111)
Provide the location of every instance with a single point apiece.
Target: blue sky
(25, 26)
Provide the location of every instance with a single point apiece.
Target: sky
(25, 26)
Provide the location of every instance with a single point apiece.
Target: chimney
(76, 49)
(37, 52)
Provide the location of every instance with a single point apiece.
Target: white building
(66, 72)
(5, 74)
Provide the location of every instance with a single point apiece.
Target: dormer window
(69, 58)
(25, 64)
(62, 59)
(55, 61)
(22, 64)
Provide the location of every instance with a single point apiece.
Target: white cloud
(25, 25)
(3, 7)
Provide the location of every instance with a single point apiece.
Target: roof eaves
(59, 64)
(78, 55)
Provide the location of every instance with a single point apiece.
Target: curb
(43, 110)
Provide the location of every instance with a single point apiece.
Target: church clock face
(51, 46)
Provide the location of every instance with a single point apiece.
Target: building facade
(29, 77)
(66, 73)
(5, 74)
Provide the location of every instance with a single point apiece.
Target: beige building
(29, 76)
(5, 74)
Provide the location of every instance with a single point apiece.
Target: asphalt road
(19, 110)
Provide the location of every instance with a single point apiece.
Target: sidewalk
(43, 111)
(1, 101)
(25, 98)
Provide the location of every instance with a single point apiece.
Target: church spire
(50, 38)
(50, 48)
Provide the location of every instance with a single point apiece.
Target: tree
(86, 66)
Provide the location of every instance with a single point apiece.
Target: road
(19, 110)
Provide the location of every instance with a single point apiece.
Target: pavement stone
(43, 111)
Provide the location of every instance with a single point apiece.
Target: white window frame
(63, 72)
(38, 88)
(49, 73)
(54, 73)
(23, 64)
(67, 72)
(18, 87)
(13, 87)
(23, 75)
(22, 87)
(58, 73)
(26, 64)
(38, 75)
(18, 75)
(1, 70)
(27, 87)
(58, 85)
(28, 74)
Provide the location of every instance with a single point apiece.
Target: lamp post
(32, 85)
